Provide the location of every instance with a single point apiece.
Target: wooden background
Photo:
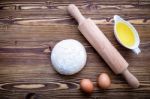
(30, 28)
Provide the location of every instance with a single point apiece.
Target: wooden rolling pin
(103, 46)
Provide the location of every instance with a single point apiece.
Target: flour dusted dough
(68, 57)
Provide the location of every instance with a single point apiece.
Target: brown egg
(104, 81)
(86, 85)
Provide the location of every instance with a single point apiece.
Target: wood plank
(111, 2)
(87, 9)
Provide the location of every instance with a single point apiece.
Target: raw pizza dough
(68, 57)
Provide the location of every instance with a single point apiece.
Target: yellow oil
(125, 34)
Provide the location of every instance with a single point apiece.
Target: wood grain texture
(30, 28)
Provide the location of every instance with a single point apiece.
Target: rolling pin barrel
(103, 46)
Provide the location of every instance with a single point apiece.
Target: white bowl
(135, 47)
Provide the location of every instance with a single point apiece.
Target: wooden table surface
(30, 29)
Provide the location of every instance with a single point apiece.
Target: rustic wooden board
(30, 29)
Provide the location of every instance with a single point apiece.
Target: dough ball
(68, 57)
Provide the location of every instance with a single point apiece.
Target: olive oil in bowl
(126, 34)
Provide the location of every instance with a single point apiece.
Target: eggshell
(68, 57)
(86, 85)
(104, 81)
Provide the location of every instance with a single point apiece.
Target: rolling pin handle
(131, 79)
(74, 11)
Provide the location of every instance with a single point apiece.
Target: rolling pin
(103, 46)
